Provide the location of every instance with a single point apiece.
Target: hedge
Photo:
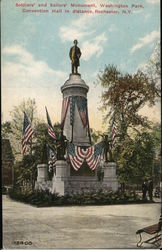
(45, 198)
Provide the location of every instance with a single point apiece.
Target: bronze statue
(44, 154)
(61, 147)
(107, 149)
(75, 55)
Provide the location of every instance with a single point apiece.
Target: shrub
(45, 198)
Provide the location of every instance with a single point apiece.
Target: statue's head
(75, 42)
(106, 137)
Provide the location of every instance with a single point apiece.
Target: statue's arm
(70, 53)
(79, 52)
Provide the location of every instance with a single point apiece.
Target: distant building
(7, 163)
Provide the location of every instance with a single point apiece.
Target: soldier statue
(75, 55)
(44, 154)
(61, 147)
(107, 149)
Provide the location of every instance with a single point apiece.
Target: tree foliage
(26, 169)
(153, 69)
(135, 158)
(6, 130)
(126, 94)
(17, 116)
(96, 136)
(137, 142)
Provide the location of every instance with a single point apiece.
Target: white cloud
(81, 27)
(23, 76)
(94, 47)
(149, 38)
(72, 32)
(77, 29)
(153, 1)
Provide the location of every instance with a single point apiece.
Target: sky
(35, 51)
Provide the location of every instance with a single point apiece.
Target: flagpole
(31, 146)
(72, 132)
(31, 141)
(89, 135)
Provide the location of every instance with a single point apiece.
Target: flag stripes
(76, 155)
(91, 155)
(52, 160)
(50, 128)
(93, 162)
(82, 109)
(27, 133)
(76, 162)
(65, 105)
(51, 132)
(81, 103)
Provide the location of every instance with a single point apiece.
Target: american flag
(76, 155)
(65, 105)
(52, 161)
(82, 108)
(27, 133)
(72, 109)
(93, 155)
(50, 128)
(113, 131)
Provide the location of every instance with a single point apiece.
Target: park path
(76, 226)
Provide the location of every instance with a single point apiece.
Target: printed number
(20, 242)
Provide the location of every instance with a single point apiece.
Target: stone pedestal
(110, 175)
(59, 180)
(42, 182)
(75, 86)
(42, 170)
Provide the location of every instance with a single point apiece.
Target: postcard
(81, 124)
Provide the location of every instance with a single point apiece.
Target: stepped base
(62, 183)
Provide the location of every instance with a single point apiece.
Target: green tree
(156, 135)
(126, 94)
(135, 158)
(17, 116)
(96, 136)
(153, 69)
(135, 148)
(6, 130)
(26, 169)
(42, 138)
(17, 120)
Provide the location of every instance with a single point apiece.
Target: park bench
(154, 232)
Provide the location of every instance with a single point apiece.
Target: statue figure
(44, 154)
(75, 54)
(107, 149)
(61, 147)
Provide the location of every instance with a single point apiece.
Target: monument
(78, 169)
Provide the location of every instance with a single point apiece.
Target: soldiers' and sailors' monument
(78, 161)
